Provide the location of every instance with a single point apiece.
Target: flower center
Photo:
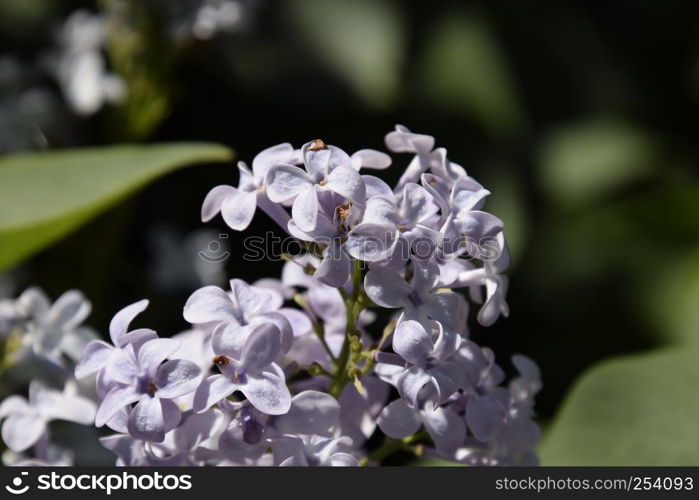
(152, 389)
(220, 360)
(316, 145)
(344, 211)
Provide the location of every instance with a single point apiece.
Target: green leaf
(636, 410)
(586, 161)
(434, 462)
(361, 41)
(464, 69)
(44, 196)
(671, 296)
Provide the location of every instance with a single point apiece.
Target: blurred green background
(579, 117)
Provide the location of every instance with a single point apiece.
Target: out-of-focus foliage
(463, 67)
(44, 196)
(585, 162)
(362, 41)
(637, 410)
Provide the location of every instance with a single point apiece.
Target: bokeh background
(579, 117)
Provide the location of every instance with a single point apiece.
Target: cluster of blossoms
(257, 382)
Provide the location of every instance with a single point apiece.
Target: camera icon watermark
(216, 251)
(17, 488)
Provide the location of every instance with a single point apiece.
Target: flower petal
(381, 210)
(154, 352)
(311, 412)
(146, 420)
(284, 182)
(403, 140)
(13, 404)
(411, 382)
(214, 200)
(412, 342)
(262, 347)
(335, 268)
(347, 182)
(69, 310)
(268, 393)
(177, 377)
(386, 287)
(55, 405)
(370, 158)
(371, 242)
(22, 430)
(228, 339)
(398, 420)
(267, 158)
(485, 416)
(342, 460)
(121, 321)
(418, 204)
(209, 304)
(304, 211)
(445, 427)
(238, 209)
(212, 390)
(376, 187)
(122, 366)
(115, 400)
(94, 357)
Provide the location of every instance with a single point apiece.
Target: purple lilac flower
(419, 297)
(51, 330)
(327, 169)
(97, 353)
(238, 205)
(145, 378)
(237, 313)
(431, 371)
(284, 392)
(387, 227)
(251, 371)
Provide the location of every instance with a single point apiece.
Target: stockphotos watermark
(107, 483)
(274, 248)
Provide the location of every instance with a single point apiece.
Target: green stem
(318, 329)
(353, 306)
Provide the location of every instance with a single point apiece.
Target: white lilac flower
(251, 371)
(185, 445)
(328, 169)
(387, 228)
(237, 313)
(359, 411)
(214, 16)
(312, 385)
(144, 377)
(25, 422)
(492, 277)
(431, 371)
(419, 298)
(238, 205)
(50, 456)
(97, 353)
(81, 67)
(501, 418)
(446, 428)
(51, 330)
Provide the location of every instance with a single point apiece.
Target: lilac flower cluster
(256, 381)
